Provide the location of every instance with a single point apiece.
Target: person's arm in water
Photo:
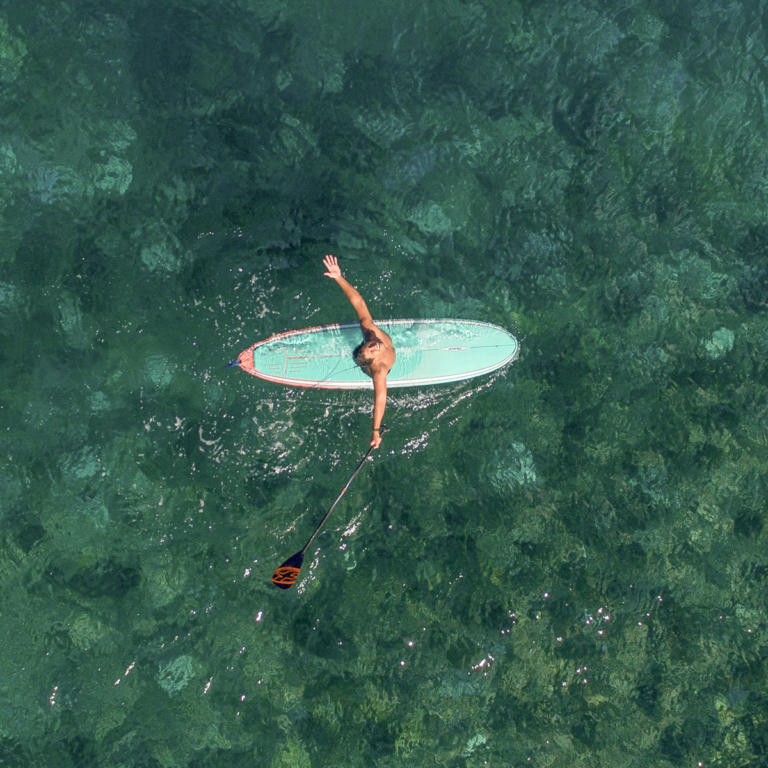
(379, 373)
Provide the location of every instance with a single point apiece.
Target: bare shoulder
(386, 357)
(381, 335)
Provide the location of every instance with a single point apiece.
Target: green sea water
(563, 564)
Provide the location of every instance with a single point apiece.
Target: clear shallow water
(564, 565)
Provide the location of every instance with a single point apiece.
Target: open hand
(332, 265)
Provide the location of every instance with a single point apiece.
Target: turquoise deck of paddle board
(428, 352)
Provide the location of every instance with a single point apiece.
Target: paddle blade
(285, 576)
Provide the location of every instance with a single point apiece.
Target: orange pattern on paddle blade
(285, 576)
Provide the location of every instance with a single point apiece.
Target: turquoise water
(563, 564)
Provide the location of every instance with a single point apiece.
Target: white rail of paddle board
(428, 352)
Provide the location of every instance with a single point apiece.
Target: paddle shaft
(285, 576)
(338, 499)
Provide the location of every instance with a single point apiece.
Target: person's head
(366, 353)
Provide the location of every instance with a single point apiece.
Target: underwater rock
(158, 370)
(460, 684)
(163, 250)
(720, 344)
(164, 580)
(176, 675)
(99, 402)
(79, 467)
(71, 321)
(431, 219)
(9, 163)
(95, 511)
(696, 277)
(42, 184)
(652, 479)
(297, 139)
(85, 632)
(113, 176)
(383, 128)
(476, 741)
(49, 184)
(12, 53)
(9, 299)
(292, 755)
(510, 467)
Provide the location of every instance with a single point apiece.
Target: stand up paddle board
(428, 352)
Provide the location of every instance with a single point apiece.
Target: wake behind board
(428, 352)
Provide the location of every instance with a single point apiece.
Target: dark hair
(356, 354)
(360, 358)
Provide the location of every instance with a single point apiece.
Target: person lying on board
(376, 355)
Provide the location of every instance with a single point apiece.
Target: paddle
(285, 576)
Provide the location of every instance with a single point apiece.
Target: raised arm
(355, 299)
